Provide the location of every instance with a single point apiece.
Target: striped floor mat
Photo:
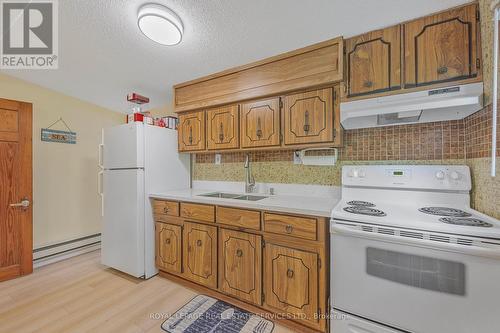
(205, 314)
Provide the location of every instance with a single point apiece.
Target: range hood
(450, 103)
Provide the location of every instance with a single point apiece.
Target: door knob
(25, 203)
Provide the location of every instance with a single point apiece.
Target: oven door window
(417, 271)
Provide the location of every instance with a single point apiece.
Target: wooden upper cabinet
(240, 265)
(200, 253)
(291, 281)
(318, 64)
(311, 117)
(260, 123)
(373, 62)
(442, 47)
(192, 131)
(168, 247)
(223, 127)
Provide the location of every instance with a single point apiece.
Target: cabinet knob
(288, 229)
(198, 242)
(442, 70)
(221, 132)
(190, 135)
(307, 127)
(167, 241)
(259, 130)
(239, 253)
(165, 210)
(290, 273)
(368, 84)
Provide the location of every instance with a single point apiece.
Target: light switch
(218, 158)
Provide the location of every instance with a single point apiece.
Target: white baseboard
(64, 250)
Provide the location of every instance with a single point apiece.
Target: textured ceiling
(103, 55)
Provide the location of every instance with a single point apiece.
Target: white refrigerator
(136, 160)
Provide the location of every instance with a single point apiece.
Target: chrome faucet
(249, 179)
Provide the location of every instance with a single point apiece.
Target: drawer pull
(368, 84)
(290, 273)
(442, 70)
(239, 253)
(165, 210)
(167, 241)
(198, 243)
(289, 229)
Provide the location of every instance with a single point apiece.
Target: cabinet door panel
(240, 265)
(308, 117)
(260, 123)
(223, 125)
(200, 254)
(374, 62)
(192, 131)
(441, 47)
(168, 247)
(291, 281)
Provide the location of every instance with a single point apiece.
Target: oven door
(414, 286)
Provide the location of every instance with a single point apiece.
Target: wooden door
(192, 131)
(16, 240)
(374, 62)
(223, 127)
(260, 123)
(240, 265)
(308, 117)
(441, 47)
(200, 254)
(169, 247)
(291, 281)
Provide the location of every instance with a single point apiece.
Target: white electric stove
(410, 255)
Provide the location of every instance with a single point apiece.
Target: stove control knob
(362, 174)
(455, 175)
(355, 173)
(440, 175)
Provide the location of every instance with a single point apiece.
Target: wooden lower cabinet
(200, 253)
(291, 281)
(270, 269)
(240, 265)
(169, 247)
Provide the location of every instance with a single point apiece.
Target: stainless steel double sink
(222, 195)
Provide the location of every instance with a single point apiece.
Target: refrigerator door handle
(100, 175)
(100, 158)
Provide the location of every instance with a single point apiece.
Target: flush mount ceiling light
(160, 24)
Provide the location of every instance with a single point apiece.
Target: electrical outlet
(218, 158)
(296, 158)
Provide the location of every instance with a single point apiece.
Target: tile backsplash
(466, 141)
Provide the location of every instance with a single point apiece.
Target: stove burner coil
(470, 222)
(360, 203)
(444, 211)
(364, 211)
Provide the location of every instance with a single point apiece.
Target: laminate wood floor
(81, 295)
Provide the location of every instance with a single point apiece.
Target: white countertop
(306, 205)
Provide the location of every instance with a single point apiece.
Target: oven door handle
(450, 247)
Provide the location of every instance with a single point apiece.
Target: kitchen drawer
(238, 217)
(166, 207)
(300, 227)
(198, 212)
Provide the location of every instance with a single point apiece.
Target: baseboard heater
(56, 252)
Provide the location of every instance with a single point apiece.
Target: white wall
(65, 200)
